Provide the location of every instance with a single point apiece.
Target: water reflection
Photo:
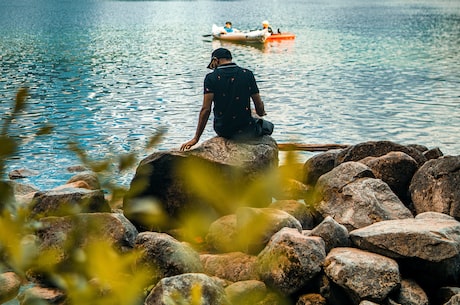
(281, 46)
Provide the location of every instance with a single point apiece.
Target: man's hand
(189, 144)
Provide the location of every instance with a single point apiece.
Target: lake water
(109, 74)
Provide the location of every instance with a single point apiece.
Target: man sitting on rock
(231, 88)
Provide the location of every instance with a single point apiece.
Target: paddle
(309, 147)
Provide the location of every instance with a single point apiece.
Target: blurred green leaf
(206, 180)
(100, 166)
(95, 273)
(45, 130)
(126, 161)
(73, 146)
(7, 146)
(156, 138)
(21, 97)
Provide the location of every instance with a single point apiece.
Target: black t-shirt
(232, 87)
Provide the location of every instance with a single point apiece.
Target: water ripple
(110, 74)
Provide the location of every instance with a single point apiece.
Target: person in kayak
(228, 27)
(230, 88)
(266, 26)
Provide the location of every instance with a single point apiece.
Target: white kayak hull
(252, 36)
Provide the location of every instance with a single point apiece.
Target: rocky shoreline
(373, 223)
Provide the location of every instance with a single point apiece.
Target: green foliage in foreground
(98, 273)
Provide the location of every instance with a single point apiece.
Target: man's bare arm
(258, 104)
(202, 121)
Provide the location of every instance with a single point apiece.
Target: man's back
(232, 87)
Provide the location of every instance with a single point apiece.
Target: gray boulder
(22, 173)
(344, 174)
(249, 292)
(311, 299)
(68, 201)
(181, 289)
(428, 249)
(21, 188)
(177, 183)
(350, 195)
(434, 186)
(303, 213)
(410, 293)
(253, 157)
(77, 168)
(433, 153)
(42, 295)
(234, 266)
(363, 275)
(64, 234)
(421, 148)
(10, 283)
(17, 194)
(332, 292)
(318, 165)
(432, 240)
(222, 235)
(248, 230)
(454, 300)
(289, 188)
(376, 149)
(290, 260)
(166, 256)
(89, 177)
(333, 234)
(395, 169)
(256, 226)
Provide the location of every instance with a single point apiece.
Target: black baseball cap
(220, 53)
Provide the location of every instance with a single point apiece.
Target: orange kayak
(280, 36)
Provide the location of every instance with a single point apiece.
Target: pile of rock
(374, 223)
